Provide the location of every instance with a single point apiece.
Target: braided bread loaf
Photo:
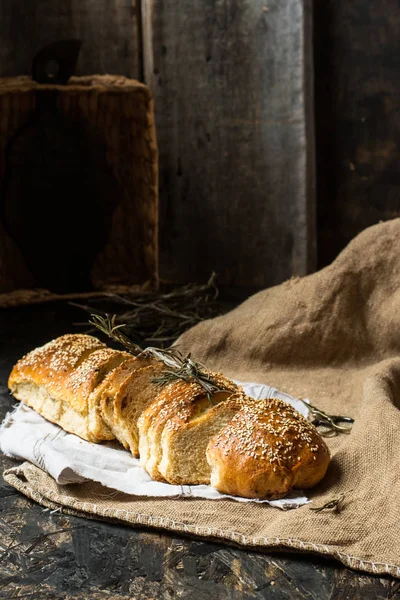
(183, 435)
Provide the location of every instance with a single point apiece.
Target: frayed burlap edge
(16, 477)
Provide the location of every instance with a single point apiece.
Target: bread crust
(258, 448)
(122, 409)
(58, 379)
(109, 387)
(51, 365)
(176, 406)
(266, 450)
(184, 441)
(170, 403)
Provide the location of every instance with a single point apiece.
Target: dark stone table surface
(48, 555)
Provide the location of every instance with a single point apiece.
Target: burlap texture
(333, 337)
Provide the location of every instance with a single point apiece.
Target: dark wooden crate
(115, 116)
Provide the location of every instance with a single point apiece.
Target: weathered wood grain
(48, 556)
(357, 45)
(107, 28)
(232, 84)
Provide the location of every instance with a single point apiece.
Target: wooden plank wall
(232, 83)
(108, 28)
(357, 99)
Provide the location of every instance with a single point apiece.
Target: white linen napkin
(24, 434)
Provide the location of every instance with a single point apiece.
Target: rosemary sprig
(335, 503)
(187, 370)
(179, 367)
(108, 326)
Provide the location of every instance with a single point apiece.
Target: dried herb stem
(335, 504)
(179, 367)
(156, 317)
(108, 326)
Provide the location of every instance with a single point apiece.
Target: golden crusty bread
(82, 381)
(177, 430)
(171, 401)
(244, 447)
(113, 387)
(184, 440)
(52, 363)
(122, 406)
(57, 379)
(108, 388)
(265, 451)
(178, 417)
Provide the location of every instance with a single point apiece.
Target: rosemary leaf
(179, 367)
(107, 325)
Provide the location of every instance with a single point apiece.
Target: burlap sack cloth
(333, 337)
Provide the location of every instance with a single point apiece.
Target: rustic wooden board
(232, 83)
(357, 47)
(49, 556)
(108, 29)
